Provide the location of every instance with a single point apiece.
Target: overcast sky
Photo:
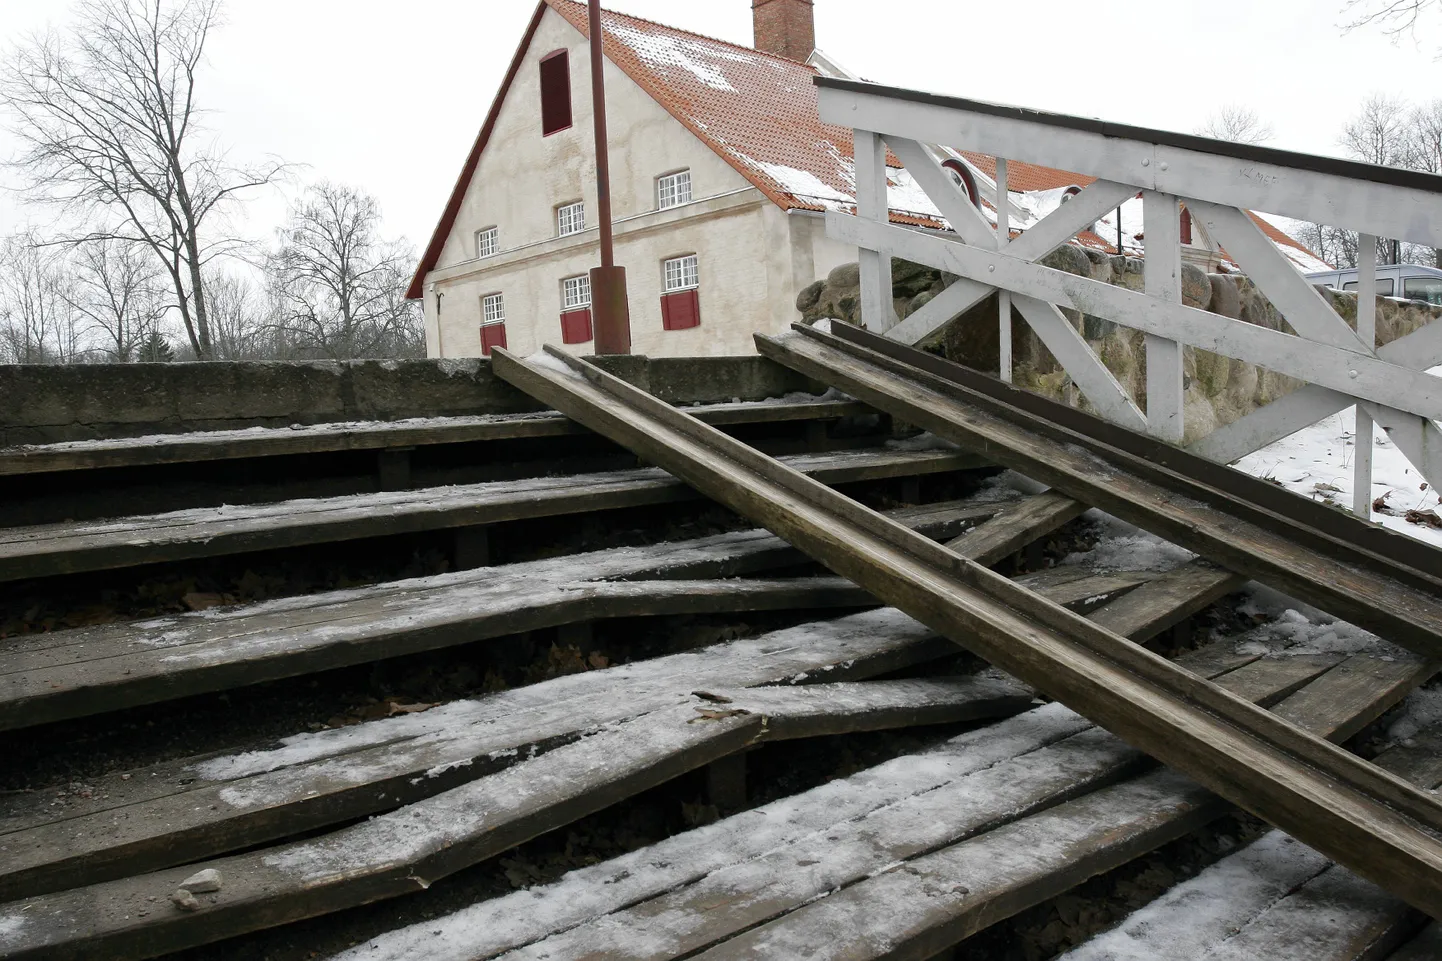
(389, 95)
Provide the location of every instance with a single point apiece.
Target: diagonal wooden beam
(1081, 363)
(1075, 215)
(1291, 293)
(968, 222)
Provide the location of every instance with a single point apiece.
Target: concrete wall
(41, 404)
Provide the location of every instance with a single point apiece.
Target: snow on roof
(758, 111)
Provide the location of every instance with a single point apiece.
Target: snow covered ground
(1318, 462)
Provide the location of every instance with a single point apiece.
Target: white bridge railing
(1219, 183)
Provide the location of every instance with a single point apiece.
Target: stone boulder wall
(1219, 390)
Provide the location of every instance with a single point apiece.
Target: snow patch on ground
(1123, 547)
(1422, 709)
(1318, 462)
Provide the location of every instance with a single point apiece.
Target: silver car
(1405, 281)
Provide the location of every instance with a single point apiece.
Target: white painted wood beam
(1162, 274)
(941, 310)
(1077, 214)
(1003, 297)
(1365, 377)
(1288, 414)
(1366, 334)
(1081, 363)
(1383, 209)
(968, 222)
(1418, 439)
(878, 312)
(1291, 293)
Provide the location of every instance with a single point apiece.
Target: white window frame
(576, 293)
(570, 218)
(673, 189)
(494, 236)
(680, 273)
(493, 309)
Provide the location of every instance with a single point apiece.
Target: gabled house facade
(721, 171)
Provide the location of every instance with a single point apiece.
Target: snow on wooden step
(389, 855)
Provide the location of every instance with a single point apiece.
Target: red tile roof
(756, 110)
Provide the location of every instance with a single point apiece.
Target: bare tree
(1394, 17)
(338, 287)
(1378, 134)
(109, 123)
(1238, 124)
(116, 290)
(239, 318)
(37, 323)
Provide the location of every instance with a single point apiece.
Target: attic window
(961, 176)
(570, 219)
(673, 190)
(555, 92)
(487, 242)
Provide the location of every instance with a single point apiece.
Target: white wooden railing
(1219, 183)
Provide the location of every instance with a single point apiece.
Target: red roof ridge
(690, 33)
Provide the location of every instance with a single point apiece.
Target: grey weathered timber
(48, 677)
(207, 806)
(210, 532)
(1376, 824)
(729, 901)
(387, 856)
(1168, 600)
(1386, 583)
(927, 904)
(1031, 518)
(365, 435)
(576, 696)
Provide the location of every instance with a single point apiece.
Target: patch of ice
(1295, 628)
(823, 325)
(9, 924)
(548, 361)
(1422, 709)
(926, 440)
(1123, 547)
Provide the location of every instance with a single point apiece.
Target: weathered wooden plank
(207, 807)
(1375, 824)
(817, 710)
(1168, 600)
(1016, 527)
(209, 532)
(1360, 591)
(194, 446)
(929, 903)
(394, 854)
(89, 670)
(1364, 688)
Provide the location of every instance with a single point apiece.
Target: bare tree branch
(110, 126)
(1237, 124)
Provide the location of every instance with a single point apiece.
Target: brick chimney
(784, 27)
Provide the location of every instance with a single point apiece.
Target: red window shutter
(1186, 226)
(492, 335)
(576, 326)
(681, 310)
(555, 93)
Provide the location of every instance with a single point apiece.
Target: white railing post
(1367, 330)
(877, 312)
(1162, 272)
(1003, 296)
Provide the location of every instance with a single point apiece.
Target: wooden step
(52, 549)
(935, 901)
(195, 446)
(64, 674)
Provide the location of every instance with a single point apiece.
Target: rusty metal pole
(609, 306)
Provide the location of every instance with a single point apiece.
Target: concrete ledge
(42, 404)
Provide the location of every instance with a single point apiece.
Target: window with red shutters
(1186, 226)
(680, 305)
(555, 93)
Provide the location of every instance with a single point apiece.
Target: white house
(720, 169)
